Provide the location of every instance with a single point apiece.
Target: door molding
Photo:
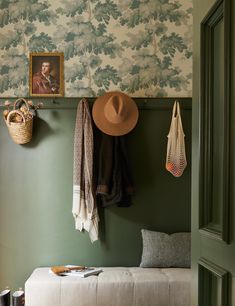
(213, 284)
(210, 199)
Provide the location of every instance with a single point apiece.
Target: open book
(84, 272)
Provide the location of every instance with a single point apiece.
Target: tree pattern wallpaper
(140, 47)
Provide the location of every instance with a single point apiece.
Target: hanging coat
(115, 183)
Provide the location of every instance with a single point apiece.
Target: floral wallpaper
(141, 47)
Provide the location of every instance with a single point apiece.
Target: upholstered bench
(112, 287)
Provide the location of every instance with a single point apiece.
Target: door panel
(213, 154)
(214, 122)
(218, 123)
(213, 284)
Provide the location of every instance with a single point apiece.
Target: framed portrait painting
(46, 74)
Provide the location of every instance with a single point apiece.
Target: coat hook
(54, 101)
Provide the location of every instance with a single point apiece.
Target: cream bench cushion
(115, 286)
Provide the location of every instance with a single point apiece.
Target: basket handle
(14, 112)
(17, 102)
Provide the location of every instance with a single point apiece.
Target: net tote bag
(176, 158)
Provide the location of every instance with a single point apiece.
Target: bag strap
(20, 101)
(174, 111)
(179, 118)
(176, 115)
(173, 116)
(13, 112)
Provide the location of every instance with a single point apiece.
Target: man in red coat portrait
(43, 81)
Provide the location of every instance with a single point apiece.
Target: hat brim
(115, 129)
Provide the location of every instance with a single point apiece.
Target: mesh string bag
(176, 158)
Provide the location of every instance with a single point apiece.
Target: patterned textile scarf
(84, 201)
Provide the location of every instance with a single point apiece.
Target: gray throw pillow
(164, 251)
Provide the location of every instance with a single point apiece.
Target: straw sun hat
(115, 113)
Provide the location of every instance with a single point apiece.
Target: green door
(213, 154)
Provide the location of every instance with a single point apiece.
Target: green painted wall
(36, 223)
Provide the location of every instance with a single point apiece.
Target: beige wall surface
(141, 48)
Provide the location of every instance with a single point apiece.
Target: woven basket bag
(20, 132)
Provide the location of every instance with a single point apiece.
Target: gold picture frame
(46, 74)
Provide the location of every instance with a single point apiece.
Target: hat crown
(115, 113)
(114, 109)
